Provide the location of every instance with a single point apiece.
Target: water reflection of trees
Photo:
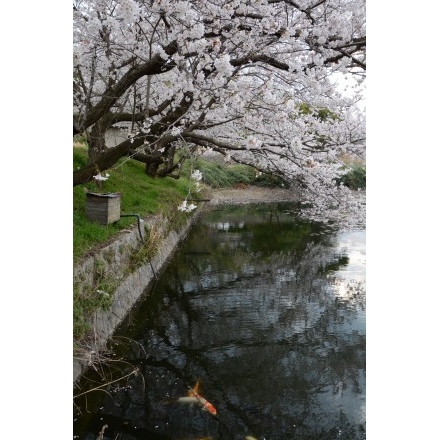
(238, 316)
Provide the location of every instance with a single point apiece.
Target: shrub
(355, 179)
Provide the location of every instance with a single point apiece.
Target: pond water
(266, 312)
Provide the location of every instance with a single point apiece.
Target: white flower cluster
(101, 178)
(252, 142)
(184, 207)
(175, 131)
(101, 292)
(184, 11)
(197, 175)
(223, 65)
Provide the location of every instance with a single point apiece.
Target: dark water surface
(268, 312)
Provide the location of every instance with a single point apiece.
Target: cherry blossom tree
(257, 81)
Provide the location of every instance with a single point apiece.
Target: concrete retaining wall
(112, 262)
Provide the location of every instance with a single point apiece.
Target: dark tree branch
(155, 66)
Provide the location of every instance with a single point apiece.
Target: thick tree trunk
(105, 161)
(100, 161)
(96, 140)
(152, 168)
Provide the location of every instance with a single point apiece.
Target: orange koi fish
(202, 401)
(195, 388)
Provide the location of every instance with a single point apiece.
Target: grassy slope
(140, 194)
